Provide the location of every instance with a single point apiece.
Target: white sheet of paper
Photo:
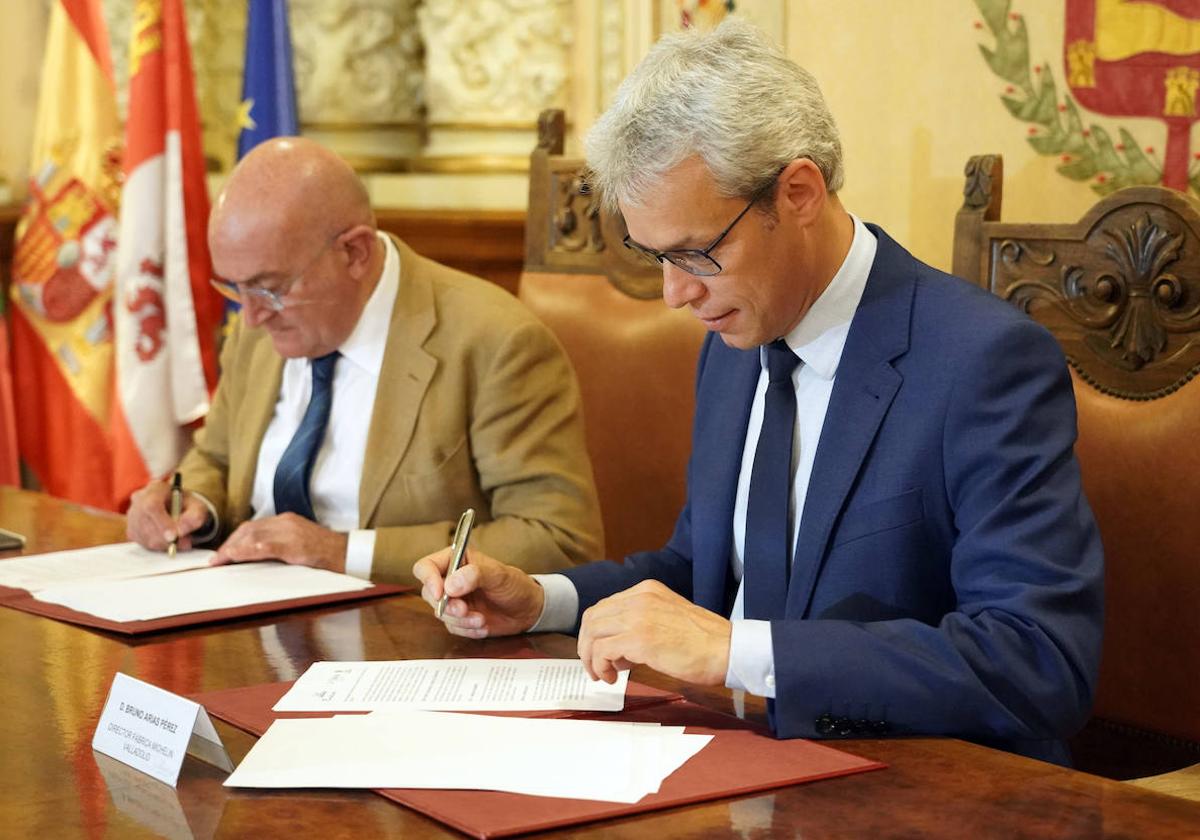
(198, 590)
(507, 685)
(103, 562)
(603, 760)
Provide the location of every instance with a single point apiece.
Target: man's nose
(255, 312)
(679, 287)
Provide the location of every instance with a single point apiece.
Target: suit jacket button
(843, 726)
(824, 724)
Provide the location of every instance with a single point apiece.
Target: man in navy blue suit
(885, 530)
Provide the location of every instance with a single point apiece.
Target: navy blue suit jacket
(948, 574)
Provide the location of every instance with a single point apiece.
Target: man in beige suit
(370, 395)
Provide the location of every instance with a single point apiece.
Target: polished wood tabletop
(56, 677)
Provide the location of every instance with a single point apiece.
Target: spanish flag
(165, 313)
(62, 348)
(10, 471)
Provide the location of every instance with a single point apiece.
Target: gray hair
(729, 96)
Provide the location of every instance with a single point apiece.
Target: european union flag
(268, 88)
(268, 106)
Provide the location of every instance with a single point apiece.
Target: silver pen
(176, 509)
(458, 553)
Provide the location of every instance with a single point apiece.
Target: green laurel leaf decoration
(1088, 153)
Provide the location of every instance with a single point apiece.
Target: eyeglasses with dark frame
(697, 261)
(272, 299)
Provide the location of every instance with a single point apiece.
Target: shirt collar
(366, 344)
(820, 336)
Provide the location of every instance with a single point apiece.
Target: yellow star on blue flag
(268, 85)
(244, 120)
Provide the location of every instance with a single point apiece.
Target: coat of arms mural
(1120, 58)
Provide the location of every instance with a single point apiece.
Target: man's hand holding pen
(647, 624)
(149, 521)
(485, 597)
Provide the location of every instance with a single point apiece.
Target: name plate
(152, 730)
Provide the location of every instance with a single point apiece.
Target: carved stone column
(359, 78)
(491, 67)
(217, 32)
(611, 62)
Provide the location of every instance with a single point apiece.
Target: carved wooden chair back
(1120, 289)
(634, 357)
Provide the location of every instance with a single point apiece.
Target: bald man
(369, 395)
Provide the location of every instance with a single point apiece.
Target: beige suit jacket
(477, 406)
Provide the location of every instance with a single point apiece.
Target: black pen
(176, 509)
(459, 552)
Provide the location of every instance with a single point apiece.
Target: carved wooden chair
(634, 357)
(1120, 289)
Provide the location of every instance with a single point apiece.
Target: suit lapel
(258, 406)
(403, 380)
(863, 391)
(727, 392)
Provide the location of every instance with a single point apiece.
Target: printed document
(103, 562)
(611, 761)
(512, 685)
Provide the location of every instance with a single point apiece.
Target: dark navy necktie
(767, 558)
(296, 465)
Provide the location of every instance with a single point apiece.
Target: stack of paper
(125, 582)
(574, 759)
(35, 572)
(198, 590)
(507, 685)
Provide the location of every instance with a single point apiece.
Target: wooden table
(57, 675)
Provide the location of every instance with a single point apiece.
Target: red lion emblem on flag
(146, 305)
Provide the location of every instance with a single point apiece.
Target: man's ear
(358, 243)
(801, 194)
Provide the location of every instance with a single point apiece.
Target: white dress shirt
(337, 473)
(818, 340)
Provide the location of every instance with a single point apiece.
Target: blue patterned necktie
(296, 465)
(767, 558)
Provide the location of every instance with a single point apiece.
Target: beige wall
(914, 99)
(906, 82)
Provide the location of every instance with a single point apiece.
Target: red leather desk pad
(19, 599)
(741, 759)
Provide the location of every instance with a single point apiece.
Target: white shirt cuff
(360, 553)
(560, 607)
(214, 521)
(751, 658)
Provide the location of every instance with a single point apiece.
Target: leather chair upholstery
(634, 357)
(1120, 289)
